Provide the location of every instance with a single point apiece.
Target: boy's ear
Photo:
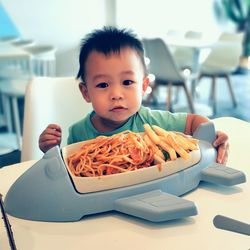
(84, 91)
(145, 84)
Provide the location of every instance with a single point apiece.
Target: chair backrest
(162, 63)
(225, 54)
(50, 100)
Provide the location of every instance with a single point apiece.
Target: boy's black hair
(108, 40)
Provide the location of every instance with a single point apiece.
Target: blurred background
(207, 42)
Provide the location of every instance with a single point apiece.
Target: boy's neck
(103, 125)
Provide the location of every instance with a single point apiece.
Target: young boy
(114, 79)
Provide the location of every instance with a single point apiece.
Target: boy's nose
(116, 93)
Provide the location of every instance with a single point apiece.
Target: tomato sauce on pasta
(125, 151)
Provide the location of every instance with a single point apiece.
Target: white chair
(232, 37)
(183, 55)
(13, 82)
(50, 100)
(23, 43)
(13, 91)
(44, 59)
(14, 76)
(222, 61)
(162, 65)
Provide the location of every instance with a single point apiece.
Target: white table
(198, 49)
(118, 231)
(9, 52)
(195, 44)
(13, 55)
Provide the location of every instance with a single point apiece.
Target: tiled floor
(241, 86)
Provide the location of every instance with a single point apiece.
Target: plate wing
(156, 206)
(222, 175)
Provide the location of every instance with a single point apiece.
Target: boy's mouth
(118, 109)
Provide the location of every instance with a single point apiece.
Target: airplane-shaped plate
(47, 191)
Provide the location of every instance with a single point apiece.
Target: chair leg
(7, 112)
(213, 94)
(151, 95)
(194, 84)
(17, 121)
(177, 93)
(231, 90)
(189, 98)
(169, 96)
(199, 77)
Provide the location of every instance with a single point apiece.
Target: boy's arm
(50, 137)
(193, 122)
(221, 141)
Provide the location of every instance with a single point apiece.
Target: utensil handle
(229, 224)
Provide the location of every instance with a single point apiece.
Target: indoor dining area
(196, 59)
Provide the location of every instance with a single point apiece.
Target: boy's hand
(50, 137)
(222, 145)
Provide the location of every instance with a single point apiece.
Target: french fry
(151, 134)
(178, 149)
(155, 147)
(193, 140)
(160, 154)
(169, 149)
(158, 159)
(160, 131)
(185, 143)
(181, 141)
(172, 142)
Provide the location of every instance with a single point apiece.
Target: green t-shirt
(84, 129)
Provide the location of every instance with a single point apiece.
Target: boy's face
(115, 85)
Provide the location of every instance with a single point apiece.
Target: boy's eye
(128, 82)
(102, 85)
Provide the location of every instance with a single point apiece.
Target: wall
(151, 18)
(64, 22)
(61, 23)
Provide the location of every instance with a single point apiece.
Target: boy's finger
(221, 138)
(54, 127)
(54, 132)
(48, 138)
(51, 131)
(46, 145)
(222, 154)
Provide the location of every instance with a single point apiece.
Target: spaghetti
(126, 151)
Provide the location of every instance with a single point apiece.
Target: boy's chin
(116, 122)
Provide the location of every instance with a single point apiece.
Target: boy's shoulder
(80, 130)
(163, 118)
(80, 123)
(154, 115)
